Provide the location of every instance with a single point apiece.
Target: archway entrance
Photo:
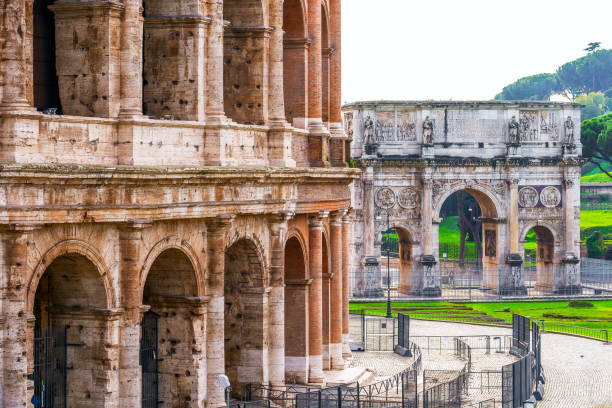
(539, 256)
(246, 310)
(71, 329)
(296, 318)
(468, 244)
(172, 331)
(396, 252)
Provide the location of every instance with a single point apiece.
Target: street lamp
(378, 217)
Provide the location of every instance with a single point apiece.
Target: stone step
(350, 375)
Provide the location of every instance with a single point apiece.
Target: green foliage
(591, 73)
(595, 245)
(535, 87)
(592, 46)
(597, 140)
(596, 104)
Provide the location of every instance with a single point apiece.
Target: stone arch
(295, 57)
(246, 305)
(296, 234)
(71, 246)
(173, 242)
(539, 223)
(172, 286)
(296, 318)
(69, 296)
(488, 200)
(406, 257)
(546, 240)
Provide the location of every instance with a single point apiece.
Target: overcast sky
(461, 49)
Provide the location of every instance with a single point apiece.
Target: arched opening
(245, 45)
(539, 251)
(325, 66)
(295, 63)
(172, 359)
(296, 318)
(46, 89)
(246, 305)
(468, 243)
(396, 254)
(326, 289)
(71, 330)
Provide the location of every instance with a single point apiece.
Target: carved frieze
(549, 129)
(541, 213)
(406, 127)
(528, 197)
(490, 243)
(550, 197)
(408, 198)
(528, 121)
(385, 198)
(385, 126)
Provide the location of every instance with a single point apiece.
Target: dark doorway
(49, 367)
(46, 89)
(148, 360)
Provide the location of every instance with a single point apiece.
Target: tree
(469, 223)
(596, 104)
(595, 245)
(593, 46)
(535, 87)
(591, 73)
(596, 138)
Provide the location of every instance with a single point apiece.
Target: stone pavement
(578, 371)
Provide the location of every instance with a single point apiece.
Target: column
(335, 77)
(278, 233)
(15, 341)
(315, 242)
(216, 230)
(214, 62)
(131, 60)
(280, 134)
(513, 216)
(427, 217)
(571, 281)
(335, 303)
(314, 67)
(15, 49)
(130, 372)
(431, 280)
(347, 227)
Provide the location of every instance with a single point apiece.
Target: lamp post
(389, 314)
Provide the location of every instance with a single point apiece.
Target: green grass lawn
(591, 220)
(595, 175)
(597, 317)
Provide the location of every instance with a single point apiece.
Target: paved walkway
(578, 371)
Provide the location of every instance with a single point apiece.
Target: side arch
(297, 234)
(257, 243)
(172, 242)
(71, 246)
(539, 223)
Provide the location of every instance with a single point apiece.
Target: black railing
(49, 367)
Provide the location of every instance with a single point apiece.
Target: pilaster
(336, 304)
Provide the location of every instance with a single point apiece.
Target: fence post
(363, 329)
(339, 397)
(358, 392)
(319, 398)
(403, 402)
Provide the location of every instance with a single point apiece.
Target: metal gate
(49, 367)
(148, 360)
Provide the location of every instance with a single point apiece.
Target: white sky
(461, 49)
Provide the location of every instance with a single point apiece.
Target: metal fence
(592, 277)
(488, 343)
(490, 403)
(446, 394)
(600, 334)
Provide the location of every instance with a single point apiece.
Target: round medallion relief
(550, 197)
(385, 198)
(528, 197)
(408, 198)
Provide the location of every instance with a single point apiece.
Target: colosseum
(175, 200)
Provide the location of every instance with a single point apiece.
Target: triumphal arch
(174, 200)
(519, 160)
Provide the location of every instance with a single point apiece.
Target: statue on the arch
(428, 131)
(513, 128)
(368, 131)
(569, 131)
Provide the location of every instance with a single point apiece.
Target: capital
(220, 223)
(316, 221)
(336, 217)
(136, 224)
(278, 222)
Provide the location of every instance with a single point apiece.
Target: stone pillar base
(346, 348)
(335, 351)
(428, 151)
(315, 375)
(434, 291)
(514, 150)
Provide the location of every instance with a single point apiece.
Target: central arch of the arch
(414, 156)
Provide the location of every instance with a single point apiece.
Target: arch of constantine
(174, 200)
(519, 160)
